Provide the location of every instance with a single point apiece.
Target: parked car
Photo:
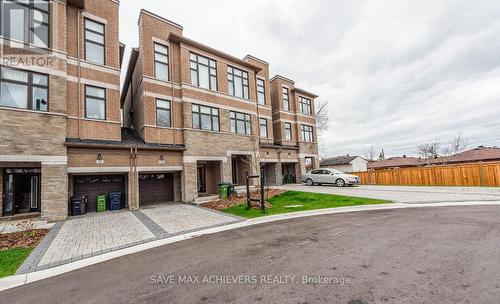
(329, 176)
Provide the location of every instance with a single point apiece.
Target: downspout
(79, 75)
(172, 112)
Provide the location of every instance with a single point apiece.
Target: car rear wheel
(309, 182)
(340, 182)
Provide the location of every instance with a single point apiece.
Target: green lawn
(11, 259)
(309, 201)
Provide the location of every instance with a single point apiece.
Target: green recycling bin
(223, 189)
(101, 203)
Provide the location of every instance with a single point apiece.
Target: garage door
(92, 186)
(156, 188)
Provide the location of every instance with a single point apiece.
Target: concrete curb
(18, 280)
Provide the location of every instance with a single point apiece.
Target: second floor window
(237, 82)
(163, 113)
(95, 102)
(261, 92)
(161, 62)
(286, 99)
(263, 127)
(205, 118)
(240, 123)
(307, 133)
(94, 41)
(23, 89)
(203, 72)
(288, 131)
(26, 21)
(305, 106)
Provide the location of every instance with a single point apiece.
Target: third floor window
(26, 21)
(286, 99)
(95, 102)
(261, 92)
(161, 61)
(307, 133)
(288, 131)
(305, 106)
(163, 113)
(203, 72)
(94, 42)
(237, 82)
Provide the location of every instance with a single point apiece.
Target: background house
(345, 163)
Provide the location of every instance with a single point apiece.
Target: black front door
(202, 181)
(234, 170)
(21, 191)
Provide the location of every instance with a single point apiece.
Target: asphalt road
(424, 255)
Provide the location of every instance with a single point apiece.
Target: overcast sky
(394, 73)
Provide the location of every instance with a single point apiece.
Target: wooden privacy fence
(477, 174)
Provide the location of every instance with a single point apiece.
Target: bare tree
(369, 154)
(455, 146)
(254, 160)
(321, 115)
(429, 150)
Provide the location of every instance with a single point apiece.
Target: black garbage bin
(115, 200)
(230, 189)
(78, 205)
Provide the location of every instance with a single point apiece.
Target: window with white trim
(205, 118)
(307, 133)
(240, 123)
(203, 72)
(161, 61)
(237, 82)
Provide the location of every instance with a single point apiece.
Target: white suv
(329, 176)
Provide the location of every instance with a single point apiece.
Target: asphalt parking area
(407, 194)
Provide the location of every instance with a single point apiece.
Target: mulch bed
(222, 204)
(24, 239)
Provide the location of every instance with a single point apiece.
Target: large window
(24, 90)
(203, 72)
(263, 127)
(307, 133)
(163, 113)
(205, 118)
(286, 99)
(288, 131)
(94, 42)
(237, 82)
(261, 92)
(95, 102)
(161, 62)
(305, 106)
(26, 21)
(240, 123)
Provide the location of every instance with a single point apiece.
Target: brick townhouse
(225, 113)
(188, 117)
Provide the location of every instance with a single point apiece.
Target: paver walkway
(98, 233)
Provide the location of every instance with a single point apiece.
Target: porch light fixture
(162, 159)
(99, 159)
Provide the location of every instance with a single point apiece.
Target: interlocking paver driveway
(97, 233)
(408, 194)
(178, 218)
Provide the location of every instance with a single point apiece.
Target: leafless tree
(455, 146)
(369, 154)
(255, 158)
(321, 115)
(429, 150)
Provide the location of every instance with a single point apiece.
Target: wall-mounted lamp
(99, 159)
(162, 159)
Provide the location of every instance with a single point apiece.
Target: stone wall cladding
(54, 192)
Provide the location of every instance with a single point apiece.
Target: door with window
(202, 180)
